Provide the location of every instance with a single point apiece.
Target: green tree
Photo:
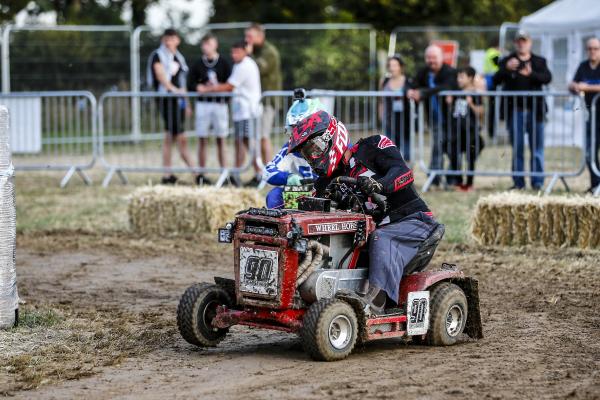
(83, 12)
(382, 14)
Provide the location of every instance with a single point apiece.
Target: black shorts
(172, 110)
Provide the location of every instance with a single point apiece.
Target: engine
(288, 258)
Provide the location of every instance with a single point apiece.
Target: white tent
(559, 32)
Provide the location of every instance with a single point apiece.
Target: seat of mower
(426, 251)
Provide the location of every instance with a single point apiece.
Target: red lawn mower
(299, 271)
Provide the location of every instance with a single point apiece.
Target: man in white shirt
(244, 82)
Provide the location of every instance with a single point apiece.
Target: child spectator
(464, 130)
(211, 112)
(244, 82)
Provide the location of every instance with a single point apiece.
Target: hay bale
(482, 227)
(518, 219)
(595, 230)
(532, 210)
(183, 211)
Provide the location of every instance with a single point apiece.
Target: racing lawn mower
(300, 271)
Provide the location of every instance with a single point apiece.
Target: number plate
(259, 271)
(417, 313)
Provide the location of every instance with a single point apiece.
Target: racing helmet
(300, 109)
(322, 140)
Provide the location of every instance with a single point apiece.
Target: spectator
(269, 64)
(394, 111)
(587, 82)
(464, 137)
(523, 71)
(166, 73)
(244, 82)
(211, 112)
(431, 80)
(490, 67)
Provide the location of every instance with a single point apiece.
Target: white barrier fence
(9, 299)
(68, 131)
(53, 131)
(454, 126)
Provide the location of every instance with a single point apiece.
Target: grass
(52, 344)
(42, 206)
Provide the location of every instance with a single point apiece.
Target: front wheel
(197, 308)
(448, 314)
(329, 330)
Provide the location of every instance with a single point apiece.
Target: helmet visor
(314, 149)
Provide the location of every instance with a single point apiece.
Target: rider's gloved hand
(368, 185)
(293, 180)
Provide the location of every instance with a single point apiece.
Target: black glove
(368, 185)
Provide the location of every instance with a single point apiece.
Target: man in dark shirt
(527, 72)
(587, 82)
(431, 80)
(211, 112)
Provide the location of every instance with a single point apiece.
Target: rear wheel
(197, 308)
(329, 330)
(448, 314)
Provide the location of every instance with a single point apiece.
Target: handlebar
(377, 198)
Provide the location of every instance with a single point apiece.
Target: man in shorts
(211, 112)
(166, 73)
(244, 82)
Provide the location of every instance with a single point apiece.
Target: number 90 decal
(417, 310)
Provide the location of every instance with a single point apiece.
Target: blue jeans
(275, 197)
(519, 123)
(595, 179)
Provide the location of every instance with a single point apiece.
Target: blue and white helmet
(300, 109)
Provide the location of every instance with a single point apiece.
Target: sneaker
(465, 188)
(254, 182)
(515, 187)
(202, 180)
(537, 188)
(233, 180)
(168, 180)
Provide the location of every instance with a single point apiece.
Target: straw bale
(595, 230)
(483, 223)
(182, 211)
(518, 219)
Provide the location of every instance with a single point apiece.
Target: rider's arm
(389, 162)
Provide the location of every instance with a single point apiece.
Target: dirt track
(540, 310)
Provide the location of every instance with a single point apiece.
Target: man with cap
(524, 71)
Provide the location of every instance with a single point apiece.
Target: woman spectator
(394, 110)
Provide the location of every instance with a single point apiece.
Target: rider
(378, 166)
(290, 168)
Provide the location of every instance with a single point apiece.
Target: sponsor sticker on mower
(332, 227)
(259, 271)
(417, 313)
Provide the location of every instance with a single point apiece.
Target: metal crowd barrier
(364, 113)
(126, 147)
(53, 131)
(594, 127)
(471, 131)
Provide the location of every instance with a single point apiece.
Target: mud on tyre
(329, 330)
(195, 312)
(448, 315)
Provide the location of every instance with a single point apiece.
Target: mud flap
(229, 286)
(471, 288)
